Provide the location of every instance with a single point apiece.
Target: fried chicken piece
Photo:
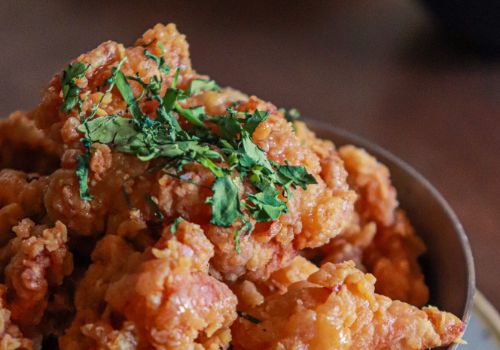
(252, 294)
(392, 254)
(350, 244)
(299, 270)
(26, 189)
(11, 337)
(315, 215)
(336, 308)
(393, 259)
(24, 147)
(10, 215)
(371, 180)
(162, 298)
(40, 260)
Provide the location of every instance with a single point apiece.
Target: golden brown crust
(336, 308)
(38, 259)
(393, 259)
(11, 337)
(161, 298)
(25, 147)
(380, 239)
(146, 287)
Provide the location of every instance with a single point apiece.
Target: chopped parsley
(225, 201)
(247, 184)
(200, 85)
(154, 206)
(291, 114)
(175, 225)
(68, 86)
(82, 171)
(249, 317)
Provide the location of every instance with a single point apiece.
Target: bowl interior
(448, 265)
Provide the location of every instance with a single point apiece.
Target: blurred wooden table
(373, 67)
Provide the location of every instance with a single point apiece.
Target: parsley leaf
(69, 88)
(294, 175)
(225, 201)
(82, 173)
(108, 129)
(199, 85)
(193, 115)
(175, 224)
(291, 114)
(253, 121)
(266, 206)
(251, 154)
(246, 227)
(128, 96)
(160, 61)
(229, 128)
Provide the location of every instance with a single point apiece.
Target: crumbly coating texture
(315, 215)
(380, 239)
(23, 146)
(110, 274)
(38, 261)
(11, 337)
(336, 308)
(161, 298)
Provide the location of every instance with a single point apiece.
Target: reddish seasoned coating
(350, 244)
(380, 238)
(314, 215)
(39, 259)
(336, 308)
(11, 337)
(152, 270)
(25, 189)
(371, 180)
(162, 298)
(393, 259)
(25, 147)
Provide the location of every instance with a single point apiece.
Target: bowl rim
(378, 151)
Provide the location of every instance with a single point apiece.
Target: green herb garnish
(249, 317)
(69, 88)
(291, 114)
(82, 172)
(175, 224)
(154, 206)
(199, 85)
(225, 202)
(229, 153)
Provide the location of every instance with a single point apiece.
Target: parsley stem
(111, 81)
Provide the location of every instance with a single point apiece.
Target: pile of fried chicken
(337, 269)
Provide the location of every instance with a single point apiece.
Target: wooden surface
(376, 68)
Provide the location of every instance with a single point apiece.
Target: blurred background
(381, 69)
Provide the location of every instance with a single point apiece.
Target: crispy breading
(393, 259)
(371, 180)
(336, 308)
(314, 215)
(39, 260)
(392, 255)
(11, 337)
(161, 298)
(25, 189)
(25, 147)
(141, 282)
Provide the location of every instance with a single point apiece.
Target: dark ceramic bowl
(448, 264)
